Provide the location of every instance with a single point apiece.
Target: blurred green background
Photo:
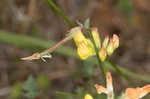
(28, 26)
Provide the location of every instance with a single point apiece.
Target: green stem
(100, 64)
(60, 13)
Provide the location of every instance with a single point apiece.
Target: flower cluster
(130, 93)
(85, 47)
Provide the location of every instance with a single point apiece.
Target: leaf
(30, 88)
(30, 84)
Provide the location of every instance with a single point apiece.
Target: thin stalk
(61, 13)
(100, 64)
(51, 49)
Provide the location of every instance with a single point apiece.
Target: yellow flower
(85, 49)
(88, 96)
(84, 45)
(96, 37)
(78, 35)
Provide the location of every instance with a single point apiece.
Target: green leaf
(87, 23)
(30, 88)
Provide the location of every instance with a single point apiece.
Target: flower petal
(133, 93)
(96, 37)
(109, 82)
(78, 35)
(110, 93)
(110, 48)
(100, 89)
(102, 54)
(136, 93)
(116, 41)
(145, 91)
(106, 41)
(84, 50)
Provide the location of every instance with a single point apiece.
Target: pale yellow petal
(83, 50)
(96, 37)
(102, 54)
(110, 48)
(116, 41)
(78, 35)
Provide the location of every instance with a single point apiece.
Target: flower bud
(106, 41)
(88, 96)
(109, 83)
(102, 54)
(96, 37)
(110, 48)
(77, 35)
(116, 41)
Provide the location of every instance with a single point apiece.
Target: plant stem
(51, 49)
(100, 64)
(60, 13)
